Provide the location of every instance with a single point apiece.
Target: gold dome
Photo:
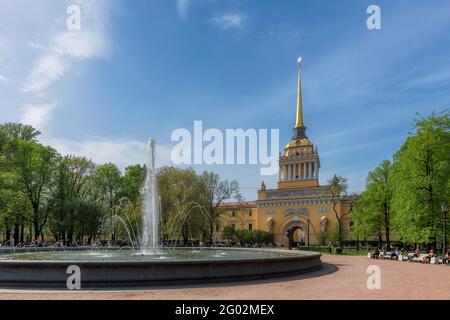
(298, 142)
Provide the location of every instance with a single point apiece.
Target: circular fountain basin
(113, 268)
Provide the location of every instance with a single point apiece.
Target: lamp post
(444, 218)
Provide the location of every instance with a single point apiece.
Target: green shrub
(247, 236)
(322, 237)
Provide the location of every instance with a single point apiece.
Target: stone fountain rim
(289, 255)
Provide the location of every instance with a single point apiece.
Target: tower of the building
(299, 163)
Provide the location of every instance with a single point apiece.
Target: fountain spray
(150, 230)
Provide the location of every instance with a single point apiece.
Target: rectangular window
(233, 213)
(250, 227)
(250, 213)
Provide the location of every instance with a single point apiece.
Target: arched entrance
(296, 231)
(298, 236)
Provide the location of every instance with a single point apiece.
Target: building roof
(246, 204)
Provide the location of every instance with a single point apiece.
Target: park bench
(417, 259)
(371, 255)
(390, 255)
(401, 257)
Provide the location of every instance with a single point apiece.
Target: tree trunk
(388, 238)
(211, 231)
(22, 233)
(36, 229)
(387, 226)
(380, 241)
(16, 234)
(69, 237)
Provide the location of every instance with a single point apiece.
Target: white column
(304, 171)
(316, 171)
(313, 172)
(310, 170)
(305, 174)
(293, 171)
(289, 172)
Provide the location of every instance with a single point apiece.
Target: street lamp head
(445, 207)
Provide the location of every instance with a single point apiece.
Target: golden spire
(299, 120)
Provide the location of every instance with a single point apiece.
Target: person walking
(330, 247)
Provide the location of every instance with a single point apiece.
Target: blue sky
(145, 68)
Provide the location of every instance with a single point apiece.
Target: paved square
(342, 277)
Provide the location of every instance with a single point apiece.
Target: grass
(345, 251)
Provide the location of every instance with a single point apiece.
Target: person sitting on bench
(376, 254)
(446, 257)
(427, 258)
(416, 254)
(395, 254)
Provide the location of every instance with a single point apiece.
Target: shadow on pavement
(325, 269)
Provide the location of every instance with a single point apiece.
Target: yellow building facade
(299, 209)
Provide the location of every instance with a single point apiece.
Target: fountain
(150, 230)
(151, 264)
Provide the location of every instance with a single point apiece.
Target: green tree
(180, 192)
(215, 193)
(422, 172)
(14, 205)
(13, 131)
(88, 220)
(107, 184)
(376, 203)
(364, 227)
(229, 233)
(35, 164)
(338, 187)
(322, 238)
(69, 189)
(132, 182)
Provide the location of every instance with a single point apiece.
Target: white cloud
(47, 70)
(65, 47)
(229, 20)
(122, 152)
(183, 8)
(37, 115)
(3, 78)
(441, 76)
(60, 51)
(80, 44)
